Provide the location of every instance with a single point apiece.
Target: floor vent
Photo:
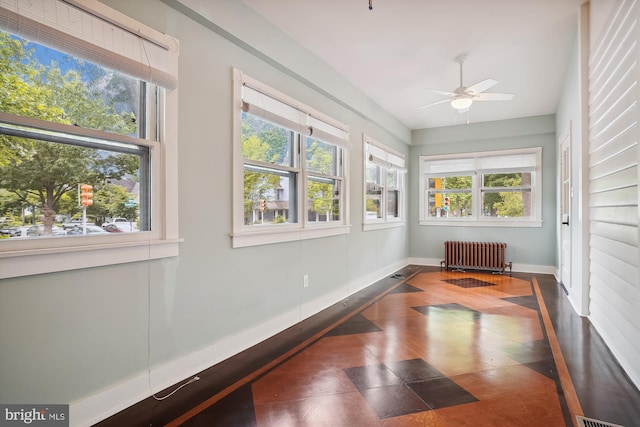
(590, 422)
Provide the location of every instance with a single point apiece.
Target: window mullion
(383, 196)
(477, 194)
(302, 181)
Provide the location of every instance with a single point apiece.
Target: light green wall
(69, 335)
(528, 246)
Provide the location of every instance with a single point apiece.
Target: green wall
(530, 247)
(70, 335)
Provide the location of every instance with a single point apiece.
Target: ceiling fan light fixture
(461, 103)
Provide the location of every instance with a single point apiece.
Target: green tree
(505, 203)
(257, 185)
(320, 159)
(110, 200)
(45, 170)
(510, 205)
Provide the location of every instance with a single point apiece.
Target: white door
(565, 209)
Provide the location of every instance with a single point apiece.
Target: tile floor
(435, 349)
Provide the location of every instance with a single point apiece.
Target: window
(78, 108)
(290, 168)
(384, 185)
(490, 188)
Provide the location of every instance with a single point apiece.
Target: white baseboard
(97, 407)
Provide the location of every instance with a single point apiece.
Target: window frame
(472, 164)
(23, 257)
(386, 159)
(325, 129)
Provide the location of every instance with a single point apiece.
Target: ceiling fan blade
(481, 86)
(441, 92)
(492, 96)
(434, 103)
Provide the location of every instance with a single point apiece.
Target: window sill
(369, 226)
(482, 223)
(267, 237)
(50, 260)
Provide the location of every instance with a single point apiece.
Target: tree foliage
(503, 203)
(321, 159)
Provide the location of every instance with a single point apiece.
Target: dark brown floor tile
(414, 370)
(468, 282)
(441, 393)
(358, 324)
(533, 351)
(372, 376)
(405, 288)
(236, 409)
(526, 301)
(394, 400)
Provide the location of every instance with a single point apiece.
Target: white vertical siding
(613, 183)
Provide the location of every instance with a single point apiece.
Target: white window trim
(37, 256)
(243, 236)
(478, 220)
(389, 158)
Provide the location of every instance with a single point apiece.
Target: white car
(91, 229)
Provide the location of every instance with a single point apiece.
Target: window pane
(39, 192)
(373, 174)
(267, 196)
(321, 157)
(40, 171)
(46, 84)
(392, 203)
(450, 182)
(507, 204)
(265, 141)
(392, 178)
(450, 205)
(517, 179)
(515, 199)
(323, 199)
(450, 197)
(374, 201)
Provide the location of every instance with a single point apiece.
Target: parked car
(111, 228)
(74, 222)
(91, 229)
(122, 224)
(10, 231)
(38, 231)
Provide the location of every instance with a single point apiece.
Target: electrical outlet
(305, 280)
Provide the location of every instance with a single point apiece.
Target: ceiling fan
(462, 98)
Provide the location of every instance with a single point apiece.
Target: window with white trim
(485, 188)
(384, 185)
(89, 98)
(290, 168)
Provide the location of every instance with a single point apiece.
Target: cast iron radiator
(489, 256)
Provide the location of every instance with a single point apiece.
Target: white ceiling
(399, 49)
